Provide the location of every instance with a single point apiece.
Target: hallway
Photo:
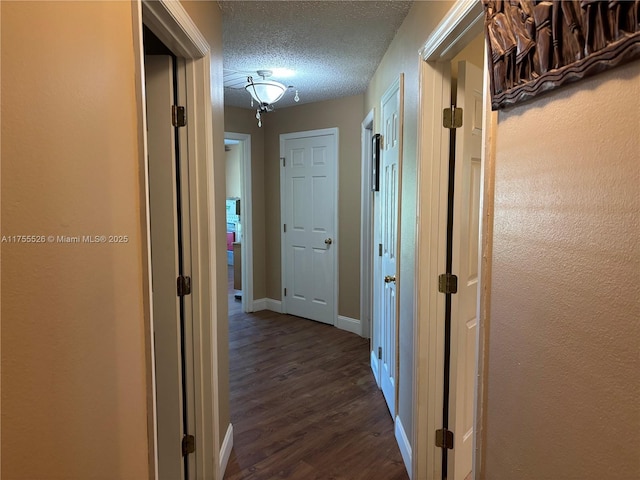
(304, 404)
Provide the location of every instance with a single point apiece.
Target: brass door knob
(328, 241)
(390, 278)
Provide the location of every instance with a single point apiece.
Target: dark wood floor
(304, 404)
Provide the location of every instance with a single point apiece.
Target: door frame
(366, 228)
(172, 25)
(336, 245)
(461, 24)
(246, 214)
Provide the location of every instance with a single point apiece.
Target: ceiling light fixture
(266, 92)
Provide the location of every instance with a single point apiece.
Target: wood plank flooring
(304, 403)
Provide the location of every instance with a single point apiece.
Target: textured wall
(563, 378)
(240, 120)
(402, 57)
(346, 114)
(74, 402)
(74, 399)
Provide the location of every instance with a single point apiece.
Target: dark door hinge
(379, 353)
(447, 283)
(285, 292)
(452, 117)
(188, 445)
(178, 116)
(379, 249)
(284, 228)
(183, 285)
(444, 438)
(284, 162)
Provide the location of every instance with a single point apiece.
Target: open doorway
(239, 214)
(366, 228)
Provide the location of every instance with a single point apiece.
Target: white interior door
(464, 321)
(390, 153)
(309, 212)
(163, 208)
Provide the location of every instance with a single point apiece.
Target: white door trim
(246, 215)
(311, 133)
(463, 22)
(172, 25)
(366, 227)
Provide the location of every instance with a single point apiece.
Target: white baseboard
(375, 362)
(405, 446)
(225, 450)
(274, 305)
(349, 324)
(267, 304)
(260, 304)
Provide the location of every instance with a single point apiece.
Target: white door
(464, 321)
(163, 208)
(310, 227)
(390, 153)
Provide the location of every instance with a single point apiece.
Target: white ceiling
(326, 49)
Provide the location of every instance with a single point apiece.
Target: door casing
(463, 23)
(173, 26)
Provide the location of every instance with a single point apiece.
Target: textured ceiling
(324, 49)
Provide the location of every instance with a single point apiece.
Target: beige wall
(563, 378)
(402, 57)
(74, 373)
(74, 400)
(233, 173)
(241, 120)
(345, 114)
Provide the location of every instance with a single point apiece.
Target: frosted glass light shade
(265, 92)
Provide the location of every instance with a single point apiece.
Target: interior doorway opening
(366, 228)
(239, 216)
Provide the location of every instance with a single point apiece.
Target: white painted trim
(487, 198)
(274, 305)
(461, 24)
(366, 226)
(150, 354)
(246, 216)
(404, 445)
(173, 26)
(352, 325)
(170, 23)
(267, 304)
(375, 366)
(260, 304)
(225, 451)
(334, 131)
